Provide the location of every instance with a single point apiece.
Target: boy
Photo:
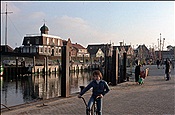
(100, 88)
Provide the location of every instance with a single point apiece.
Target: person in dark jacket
(158, 63)
(167, 69)
(100, 88)
(137, 73)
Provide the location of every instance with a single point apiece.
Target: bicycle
(93, 110)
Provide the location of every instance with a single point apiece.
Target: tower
(44, 29)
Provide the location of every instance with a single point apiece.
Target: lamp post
(160, 46)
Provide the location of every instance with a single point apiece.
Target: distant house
(79, 51)
(166, 54)
(142, 53)
(125, 49)
(99, 50)
(5, 48)
(43, 44)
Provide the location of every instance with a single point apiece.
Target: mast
(6, 12)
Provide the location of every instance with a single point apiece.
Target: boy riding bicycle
(100, 88)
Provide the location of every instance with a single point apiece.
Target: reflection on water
(30, 88)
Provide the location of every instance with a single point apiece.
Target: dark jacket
(137, 73)
(101, 88)
(167, 67)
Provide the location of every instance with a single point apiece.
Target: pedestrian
(137, 73)
(158, 63)
(167, 69)
(100, 88)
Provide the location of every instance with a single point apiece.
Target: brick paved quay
(155, 97)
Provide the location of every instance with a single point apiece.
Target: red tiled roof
(78, 46)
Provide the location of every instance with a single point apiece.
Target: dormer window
(28, 41)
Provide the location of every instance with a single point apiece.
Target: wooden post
(16, 66)
(106, 69)
(65, 71)
(33, 64)
(124, 66)
(44, 70)
(46, 65)
(16, 72)
(114, 76)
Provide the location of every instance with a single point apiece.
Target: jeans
(99, 105)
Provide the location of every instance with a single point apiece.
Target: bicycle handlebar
(85, 101)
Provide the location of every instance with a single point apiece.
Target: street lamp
(160, 43)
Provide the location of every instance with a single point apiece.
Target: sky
(86, 23)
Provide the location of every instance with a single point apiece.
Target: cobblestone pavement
(155, 97)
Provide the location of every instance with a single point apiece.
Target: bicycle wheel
(88, 112)
(94, 109)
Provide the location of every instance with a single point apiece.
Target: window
(49, 50)
(56, 50)
(27, 49)
(59, 50)
(58, 42)
(37, 40)
(34, 50)
(45, 50)
(28, 41)
(41, 49)
(47, 41)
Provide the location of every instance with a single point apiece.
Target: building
(79, 51)
(43, 44)
(142, 53)
(125, 49)
(166, 54)
(99, 50)
(5, 48)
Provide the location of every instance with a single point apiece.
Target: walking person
(137, 73)
(158, 63)
(167, 69)
(100, 88)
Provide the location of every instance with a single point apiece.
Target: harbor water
(30, 88)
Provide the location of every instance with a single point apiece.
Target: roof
(126, 47)
(6, 48)
(78, 46)
(142, 46)
(92, 49)
(44, 28)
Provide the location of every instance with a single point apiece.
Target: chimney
(121, 43)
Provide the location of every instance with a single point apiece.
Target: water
(30, 88)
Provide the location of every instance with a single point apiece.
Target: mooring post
(34, 64)
(44, 69)
(65, 71)
(16, 72)
(124, 66)
(46, 66)
(16, 66)
(114, 76)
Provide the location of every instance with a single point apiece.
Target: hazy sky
(135, 23)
